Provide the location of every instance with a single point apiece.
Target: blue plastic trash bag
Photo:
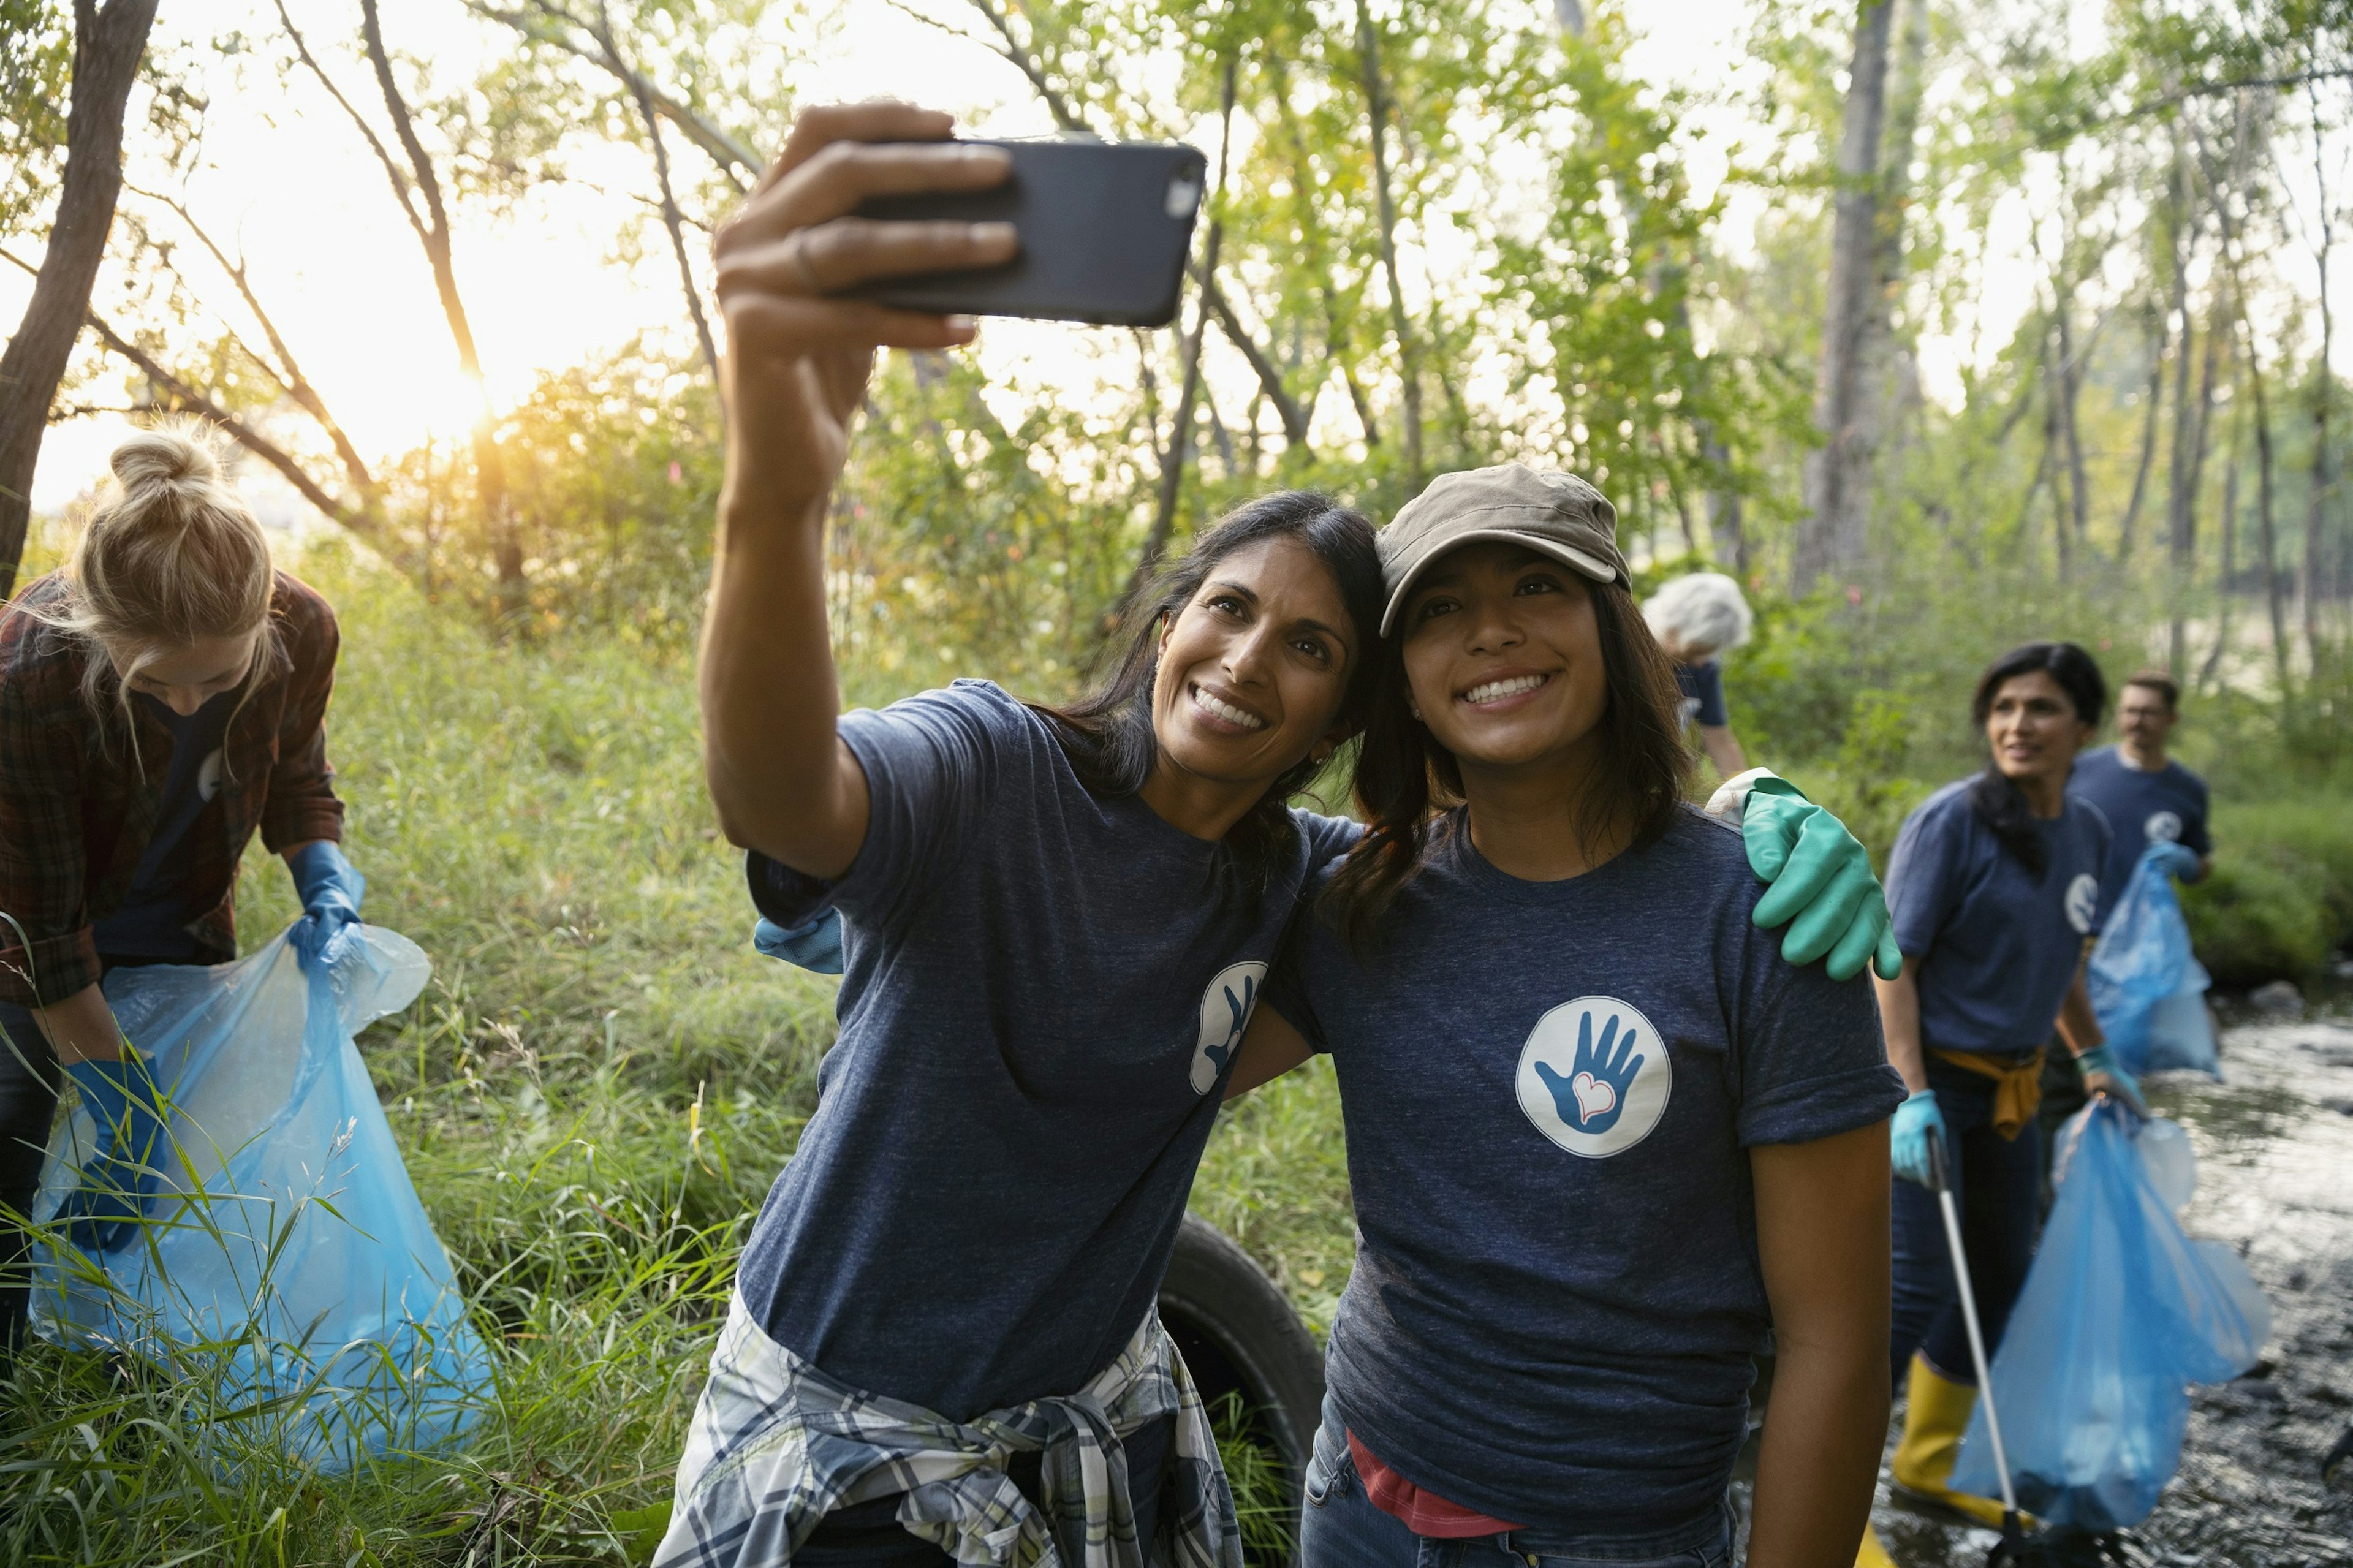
(286, 1271)
(2120, 1313)
(2148, 992)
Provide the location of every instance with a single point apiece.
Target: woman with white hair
(1696, 618)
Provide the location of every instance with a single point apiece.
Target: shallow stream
(2274, 1143)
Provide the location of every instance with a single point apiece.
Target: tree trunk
(1832, 469)
(1180, 435)
(490, 463)
(2314, 508)
(2266, 538)
(1369, 48)
(108, 43)
(2156, 395)
(2070, 382)
(2213, 665)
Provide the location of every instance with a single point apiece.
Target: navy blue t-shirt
(152, 920)
(1998, 946)
(1549, 1090)
(1041, 995)
(2167, 806)
(1703, 689)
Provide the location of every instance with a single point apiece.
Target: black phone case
(1105, 229)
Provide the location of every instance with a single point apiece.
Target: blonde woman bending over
(161, 697)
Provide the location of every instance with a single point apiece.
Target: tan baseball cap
(1550, 512)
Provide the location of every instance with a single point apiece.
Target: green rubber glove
(1822, 886)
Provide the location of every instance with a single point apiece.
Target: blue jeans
(1340, 1526)
(1997, 1185)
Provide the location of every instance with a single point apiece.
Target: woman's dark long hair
(1108, 735)
(1405, 779)
(1993, 799)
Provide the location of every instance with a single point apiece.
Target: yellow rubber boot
(1871, 1554)
(1937, 1414)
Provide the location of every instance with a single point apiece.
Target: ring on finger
(801, 263)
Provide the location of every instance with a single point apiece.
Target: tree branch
(724, 151)
(288, 370)
(1019, 57)
(1270, 376)
(246, 435)
(367, 133)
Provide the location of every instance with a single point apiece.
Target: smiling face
(2033, 730)
(1503, 654)
(184, 678)
(1253, 670)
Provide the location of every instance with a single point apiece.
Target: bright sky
(290, 183)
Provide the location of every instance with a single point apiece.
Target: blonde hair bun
(166, 455)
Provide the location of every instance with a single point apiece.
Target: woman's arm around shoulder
(1822, 1237)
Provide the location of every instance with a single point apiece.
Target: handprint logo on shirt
(1226, 1008)
(1592, 1098)
(1595, 1075)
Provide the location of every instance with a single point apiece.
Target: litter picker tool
(2040, 1551)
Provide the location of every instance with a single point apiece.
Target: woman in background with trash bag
(1994, 887)
(1699, 618)
(163, 696)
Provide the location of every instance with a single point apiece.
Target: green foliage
(2281, 895)
(36, 60)
(593, 1096)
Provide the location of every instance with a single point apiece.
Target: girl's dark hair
(1993, 799)
(1406, 780)
(1108, 735)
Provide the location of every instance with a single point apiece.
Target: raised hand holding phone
(794, 370)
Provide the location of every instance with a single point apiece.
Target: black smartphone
(1104, 228)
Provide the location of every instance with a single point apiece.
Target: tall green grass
(593, 1094)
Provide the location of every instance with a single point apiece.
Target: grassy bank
(594, 1093)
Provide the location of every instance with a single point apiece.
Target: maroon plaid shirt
(76, 815)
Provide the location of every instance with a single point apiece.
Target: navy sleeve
(1812, 1061)
(1707, 685)
(931, 765)
(1288, 991)
(2193, 831)
(1923, 876)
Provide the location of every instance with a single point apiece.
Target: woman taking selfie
(1601, 1133)
(162, 697)
(1994, 885)
(1053, 922)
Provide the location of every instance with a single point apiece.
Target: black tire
(1238, 1332)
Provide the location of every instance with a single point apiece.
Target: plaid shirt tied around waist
(776, 1445)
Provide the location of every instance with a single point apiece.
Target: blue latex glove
(815, 944)
(330, 889)
(1917, 1120)
(2103, 1074)
(118, 1183)
(2178, 859)
(1821, 875)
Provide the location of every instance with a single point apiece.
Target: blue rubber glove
(118, 1185)
(1917, 1120)
(2178, 859)
(2103, 1074)
(815, 944)
(1821, 875)
(330, 889)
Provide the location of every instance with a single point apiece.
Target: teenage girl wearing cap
(163, 697)
(1994, 885)
(1601, 1134)
(1053, 921)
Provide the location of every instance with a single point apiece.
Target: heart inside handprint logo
(1595, 1076)
(1226, 1008)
